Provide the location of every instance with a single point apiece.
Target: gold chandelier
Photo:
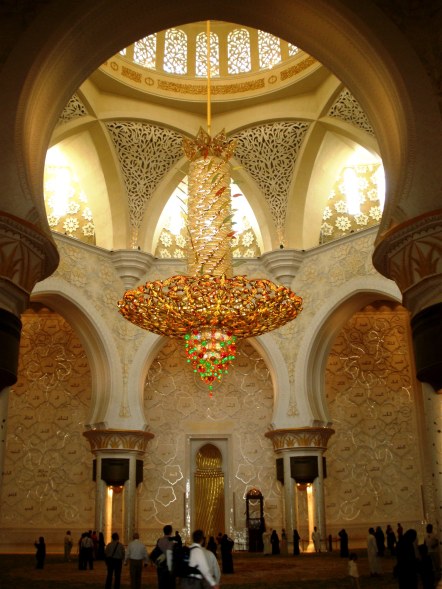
(209, 308)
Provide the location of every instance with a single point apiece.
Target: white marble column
(130, 495)
(319, 503)
(288, 497)
(302, 442)
(126, 444)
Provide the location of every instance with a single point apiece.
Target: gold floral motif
(302, 437)
(118, 439)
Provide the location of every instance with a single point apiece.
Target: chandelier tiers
(209, 308)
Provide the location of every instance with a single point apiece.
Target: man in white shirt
(198, 559)
(213, 565)
(136, 554)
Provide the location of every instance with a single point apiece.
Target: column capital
(28, 255)
(313, 438)
(113, 440)
(410, 254)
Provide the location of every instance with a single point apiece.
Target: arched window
(175, 52)
(238, 52)
(269, 49)
(145, 51)
(201, 55)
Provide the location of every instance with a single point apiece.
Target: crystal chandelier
(209, 308)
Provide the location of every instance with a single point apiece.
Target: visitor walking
(114, 555)
(136, 556)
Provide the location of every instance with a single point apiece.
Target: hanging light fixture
(209, 308)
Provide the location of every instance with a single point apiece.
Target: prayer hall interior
(327, 116)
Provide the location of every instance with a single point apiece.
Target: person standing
(40, 554)
(198, 559)
(380, 541)
(266, 542)
(114, 555)
(296, 541)
(391, 540)
(353, 572)
(274, 540)
(431, 541)
(68, 543)
(136, 555)
(212, 561)
(87, 550)
(343, 542)
(407, 562)
(316, 538)
(374, 563)
(166, 580)
(226, 554)
(211, 545)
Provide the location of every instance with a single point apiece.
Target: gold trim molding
(113, 439)
(300, 437)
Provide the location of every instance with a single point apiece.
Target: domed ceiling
(306, 168)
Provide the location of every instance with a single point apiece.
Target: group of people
(414, 561)
(273, 544)
(200, 562)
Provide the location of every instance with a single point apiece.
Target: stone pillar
(28, 256)
(302, 443)
(127, 446)
(319, 501)
(289, 499)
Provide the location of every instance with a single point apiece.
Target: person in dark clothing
(101, 546)
(406, 569)
(296, 540)
(380, 541)
(40, 555)
(114, 554)
(274, 541)
(166, 579)
(212, 545)
(391, 540)
(177, 539)
(343, 543)
(425, 567)
(226, 545)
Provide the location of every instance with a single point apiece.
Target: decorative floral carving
(73, 110)
(348, 109)
(302, 437)
(268, 153)
(146, 153)
(110, 439)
